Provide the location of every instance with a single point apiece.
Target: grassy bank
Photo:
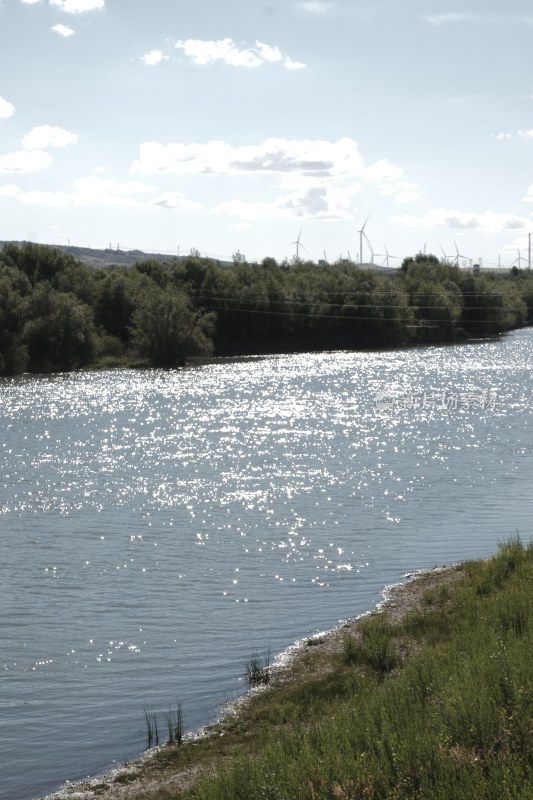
(429, 698)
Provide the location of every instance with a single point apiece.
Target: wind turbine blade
(364, 226)
(369, 243)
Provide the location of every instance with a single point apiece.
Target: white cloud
(320, 178)
(49, 199)
(240, 226)
(321, 202)
(401, 191)
(62, 30)
(317, 202)
(407, 196)
(31, 2)
(315, 8)
(9, 190)
(488, 222)
(87, 191)
(250, 211)
(203, 52)
(383, 170)
(153, 58)
(22, 161)
(522, 134)
(95, 191)
(442, 19)
(288, 63)
(309, 158)
(268, 53)
(528, 198)
(45, 136)
(478, 19)
(207, 52)
(77, 6)
(102, 191)
(6, 109)
(174, 200)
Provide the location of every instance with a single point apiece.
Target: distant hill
(105, 258)
(108, 258)
(112, 258)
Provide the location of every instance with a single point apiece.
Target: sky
(243, 126)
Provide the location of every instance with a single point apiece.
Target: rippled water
(157, 527)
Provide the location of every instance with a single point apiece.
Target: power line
(342, 316)
(317, 299)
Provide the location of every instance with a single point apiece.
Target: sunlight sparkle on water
(226, 508)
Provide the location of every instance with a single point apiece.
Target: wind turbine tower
(460, 255)
(299, 244)
(362, 235)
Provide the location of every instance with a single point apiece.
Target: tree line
(58, 314)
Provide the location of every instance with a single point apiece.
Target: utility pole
(529, 251)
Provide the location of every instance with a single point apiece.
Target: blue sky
(234, 126)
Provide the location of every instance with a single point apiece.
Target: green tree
(167, 331)
(38, 262)
(492, 305)
(115, 301)
(59, 330)
(14, 287)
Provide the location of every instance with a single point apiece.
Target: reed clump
(173, 721)
(257, 669)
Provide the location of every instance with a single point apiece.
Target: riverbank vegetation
(58, 314)
(430, 698)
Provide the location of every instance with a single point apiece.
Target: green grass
(376, 646)
(435, 706)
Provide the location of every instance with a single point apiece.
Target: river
(157, 527)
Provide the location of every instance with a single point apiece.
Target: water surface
(156, 527)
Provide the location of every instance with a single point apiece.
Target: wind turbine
(299, 244)
(388, 256)
(460, 255)
(519, 259)
(361, 235)
(447, 259)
